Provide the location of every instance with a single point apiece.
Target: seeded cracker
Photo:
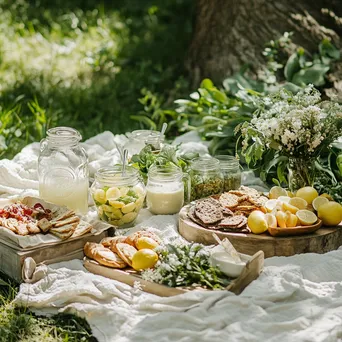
(209, 211)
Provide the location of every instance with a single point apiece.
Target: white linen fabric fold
(295, 299)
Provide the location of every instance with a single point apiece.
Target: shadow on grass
(17, 323)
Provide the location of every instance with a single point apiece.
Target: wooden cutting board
(250, 272)
(321, 241)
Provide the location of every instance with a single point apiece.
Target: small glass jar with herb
(230, 167)
(206, 177)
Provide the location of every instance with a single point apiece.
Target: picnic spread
(160, 276)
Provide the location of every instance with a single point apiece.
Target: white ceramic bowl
(229, 267)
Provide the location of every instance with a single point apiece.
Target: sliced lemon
(298, 202)
(306, 217)
(284, 199)
(271, 220)
(271, 204)
(281, 219)
(128, 208)
(308, 193)
(146, 242)
(124, 190)
(276, 192)
(139, 202)
(113, 193)
(327, 196)
(289, 207)
(116, 204)
(143, 259)
(291, 220)
(99, 196)
(108, 208)
(114, 222)
(138, 190)
(318, 201)
(128, 218)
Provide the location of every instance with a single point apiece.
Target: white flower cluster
(293, 124)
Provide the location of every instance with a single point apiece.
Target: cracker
(229, 200)
(230, 222)
(69, 220)
(81, 229)
(209, 211)
(33, 228)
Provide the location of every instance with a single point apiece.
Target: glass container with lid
(137, 140)
(165, 189)
(63, 169)
(230, 168)
(206, 177)
(118, 198)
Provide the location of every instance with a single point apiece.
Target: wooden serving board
(12, 257)
(250, 272)
(321, 241)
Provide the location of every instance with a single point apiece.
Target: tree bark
(230, 33)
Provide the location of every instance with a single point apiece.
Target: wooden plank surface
(321, 241)
(250, 272)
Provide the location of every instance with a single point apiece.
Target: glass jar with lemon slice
(118, 197)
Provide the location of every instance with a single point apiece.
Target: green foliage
(17, 130)
(89, 60)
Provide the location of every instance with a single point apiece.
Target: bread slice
(44, 224)
(126, 252)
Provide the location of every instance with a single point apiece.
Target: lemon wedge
(276, 192)
(271, 204)
(113, 193)
(318, 201)
(298, 202)
(306, 217)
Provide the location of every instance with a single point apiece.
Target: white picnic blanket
(295, 299)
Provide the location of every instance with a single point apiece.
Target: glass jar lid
(113, 175)
(142, 134)
(205, 164)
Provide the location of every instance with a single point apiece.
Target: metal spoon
(124, 159)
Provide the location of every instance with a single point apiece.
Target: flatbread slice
(81, 229)
(69, 220)
(126, 252)
(61, 213)
(63, 236)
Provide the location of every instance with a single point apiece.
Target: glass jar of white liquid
(165, 189)
(63, 169)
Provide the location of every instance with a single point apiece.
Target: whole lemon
(330, 213)
(143, 259)
(308, 193)
(146, 242)
(257, 222)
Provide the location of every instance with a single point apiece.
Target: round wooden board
(321, 241)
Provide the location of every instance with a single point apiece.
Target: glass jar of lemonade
(118, 197)
(63, 169)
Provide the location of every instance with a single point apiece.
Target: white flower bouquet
(291, 129)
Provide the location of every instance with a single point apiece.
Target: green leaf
(314, 75)
(145, 120)
(327, 49)
(207, 84)
(292, 66)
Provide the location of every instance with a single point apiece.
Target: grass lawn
(81, 63)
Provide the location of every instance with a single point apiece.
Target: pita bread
(82, 229)
(69, 220)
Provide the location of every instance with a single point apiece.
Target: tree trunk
(230, 33)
